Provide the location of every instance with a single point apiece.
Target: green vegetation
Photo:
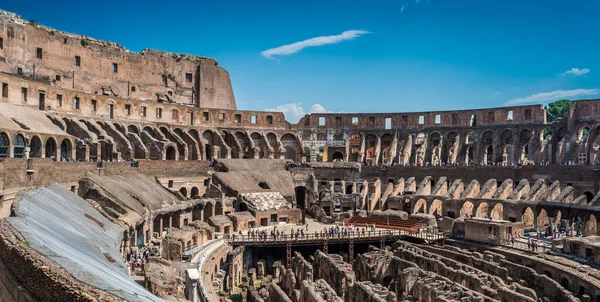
(557, 109)
(84, 42)
(33, 23)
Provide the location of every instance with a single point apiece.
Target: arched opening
(527, 218)
(436, 208)
(197, 212)
(564, 283)
(337, 156)
(218, 208)
(387, 282)
(4, 145)
(467, 209)
(19, 148)
(543, 221)
(291, 147)
(194, 192)
(547, 273)
(482, 210)
(349, 189)
(50, 148)
(470, 156)
(590, 225)
(243, 207)
(35, 147)
(589, 195)
(170, 153)
(497, 212)
(132, 129)
(183, 191)
(420, 206)
(301, 197)
(209, 136)
(208, 152)
(208, 211)
(489, 155)
(65, 149)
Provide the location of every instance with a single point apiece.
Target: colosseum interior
(134, 177)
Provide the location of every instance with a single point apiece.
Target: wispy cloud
(290, 49)
(294, 111)
(553, 96)
(576, 71)
(402, 8)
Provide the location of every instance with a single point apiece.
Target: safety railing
(427, 234)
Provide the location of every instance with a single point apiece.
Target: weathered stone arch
(50, 147)
(467, 209)
(66, 148)
(528, 217)
(436, 208)
(589, 225)
(19, 146)
(170, 153)
(482, 210)
(4, 145)
(420, 206)
(35, 147)
(497, 212)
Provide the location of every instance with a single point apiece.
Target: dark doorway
(301, 197)
(42, 101)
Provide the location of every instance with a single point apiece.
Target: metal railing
(427, 234)
(534, 247)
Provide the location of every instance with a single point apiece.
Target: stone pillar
(161, 226)
(192, 276)
(170, 222)
(313, 154)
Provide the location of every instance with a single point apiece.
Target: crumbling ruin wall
(476, 280)
(160, 278)
(318, 291)
(276, 294)
(371, 292)
(335, 272)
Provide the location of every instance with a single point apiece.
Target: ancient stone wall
(85, 64)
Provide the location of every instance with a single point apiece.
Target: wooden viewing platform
(429, 235)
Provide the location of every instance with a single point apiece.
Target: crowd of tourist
(137, 260)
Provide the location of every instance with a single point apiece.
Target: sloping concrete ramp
(67, 229)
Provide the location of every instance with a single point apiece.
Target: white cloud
(402, 8)
(294, 111)
(576, 71)
(293, 48)
(553, 96)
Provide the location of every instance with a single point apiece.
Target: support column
(160, 231)
(170, 222)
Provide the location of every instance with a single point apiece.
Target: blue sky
(394, 56)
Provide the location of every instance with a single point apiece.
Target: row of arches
(22, 147)
(463, 147)
(151, 142)
(585, 224)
